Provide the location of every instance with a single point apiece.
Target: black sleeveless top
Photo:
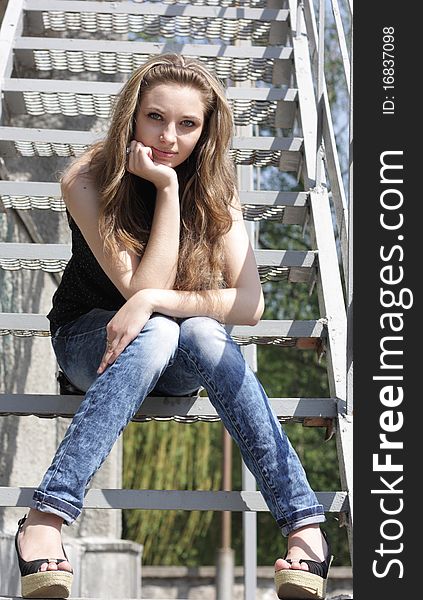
(84, 285)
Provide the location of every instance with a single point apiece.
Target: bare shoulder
(235, 208)
(77, 185)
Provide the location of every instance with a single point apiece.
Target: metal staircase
(61, 64)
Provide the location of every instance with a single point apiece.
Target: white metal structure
(69, 58)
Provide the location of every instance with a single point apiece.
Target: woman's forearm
(236, 306)
(158, 265)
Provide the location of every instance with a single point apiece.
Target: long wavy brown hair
(207, 180)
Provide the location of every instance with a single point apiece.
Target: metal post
(249, 519)
(225, 560)
(224, 574)
(350, 363)
(11, 27)
(227, 486)
(320, 81)
(249, 522)
(246, 183)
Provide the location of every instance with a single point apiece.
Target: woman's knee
(203, 334)
(159, 338)
(206, 343)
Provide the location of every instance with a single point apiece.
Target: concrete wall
(198, 583)
(103, 567)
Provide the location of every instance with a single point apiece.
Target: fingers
(113, 350)
(121, 331)
(137, 155)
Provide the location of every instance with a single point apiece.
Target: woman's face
(170, 121)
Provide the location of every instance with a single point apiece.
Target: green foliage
(173, 456)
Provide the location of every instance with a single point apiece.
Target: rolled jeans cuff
(301, 518)
(49, 504)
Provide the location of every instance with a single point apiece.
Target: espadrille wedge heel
(295, 584)
(37, 584)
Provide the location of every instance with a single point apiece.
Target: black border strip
(387, 256)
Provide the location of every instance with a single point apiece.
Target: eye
(155, 116)
(188, 123)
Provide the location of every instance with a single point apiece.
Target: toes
(65, 566)
(281, 563)
(294, 564)
(53, 566)
(48, 566)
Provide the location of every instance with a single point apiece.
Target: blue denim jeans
(170, 358)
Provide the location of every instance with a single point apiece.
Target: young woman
(160, 260)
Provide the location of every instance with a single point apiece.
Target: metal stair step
(156, 19)
(273, 265)
(149, 8)
(250, 105)
(305, 334)
(284, 152)
(30, 44)
(333, 501)
(194, 408)
(272, 64)
(287, 207)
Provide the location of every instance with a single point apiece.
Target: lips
(163, 154)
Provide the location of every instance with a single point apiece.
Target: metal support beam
(154, 8)
(171, 499)
(11, 27)
(249, 522)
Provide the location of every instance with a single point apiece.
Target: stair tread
(282, 152)
(51, 253)
(22, 84)
(41, 97)
(50, 405)
(266, 328)
(262, 197)
(239, 501)
(290, 208)
(205, 50)
(338, 597)
(75, 136)
(124, 7)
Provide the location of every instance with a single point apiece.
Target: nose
(168, 134)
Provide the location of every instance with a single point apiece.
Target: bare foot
(304, 543)
(40, 538)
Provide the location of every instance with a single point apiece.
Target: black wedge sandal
(46, 584)
(297, 584)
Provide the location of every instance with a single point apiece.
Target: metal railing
(335, 37)
(331, 32)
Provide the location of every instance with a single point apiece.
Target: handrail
(340, 191)
(342, 42)
(10, 26)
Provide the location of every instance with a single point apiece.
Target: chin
(167, 161)
(175, 162)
